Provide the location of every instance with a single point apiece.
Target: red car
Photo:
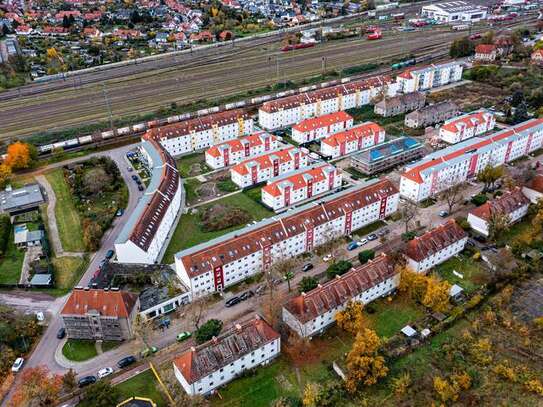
(375, 36)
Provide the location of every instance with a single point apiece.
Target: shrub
(208, 330)
(479, 199)
(462, 222)
(307, 283)
(408, 236)
(339, 268)
(365, 255)
(219, 217)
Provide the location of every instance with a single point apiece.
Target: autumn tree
(196, 311)
(37, 387)
(102, 394)
(489, 175)
(18, 156)
(333, 243)
(400, 384)
(351, 319)
(497, 224)
(69, 381)
(311, 395)
(449, 389)
(452, 194)
(92, 233)
(5, 175)
(412, 283)
(436, 296)
(364, 365)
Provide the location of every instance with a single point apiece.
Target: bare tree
(451, 194)
(142, 329)
(497, 224)
(333, 242)
(196, 311)
(409, 211)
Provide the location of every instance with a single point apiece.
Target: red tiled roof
(354, 133)
(240, 340)
(485, 48)
(265, 161)
(332, 92)
(322, 121)
(506, 204)
(107, 303)
(299, 180)
(341, 289)
(434, 240)
(537, 53)
(244, 244)
(238, 144)
(197, 124)
(536, 183)
(468, 121)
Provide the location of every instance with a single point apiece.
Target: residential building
(24, 238)
(202, 132)
(287, 111)
(317, 128)
(267, 166)
(400, 104)
(356, 138)
(435, 246)
(485, 52)
(431, 114)
(159, 301)
(20, 200)
(533, 190)
(304, 184)
(428, 77)
(144, 234)
(383, 156)
(537, 57)
(99, 314)
(457, 11)
(247, 345)
(466, 126)
(513, 204)
(234, 151)
(311, 313)
(219, 263)
(460, 162)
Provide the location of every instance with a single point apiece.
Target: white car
(17, 365)
(326, 258)
(362, 242)
(106, 371)
(40, 316)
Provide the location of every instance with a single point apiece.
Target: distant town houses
(400, 104)
(512, 204)
(537, 57)
(533, 190)
(486, 52)
(424, 78)
(431, 114)
(435, 246)
(466, 126)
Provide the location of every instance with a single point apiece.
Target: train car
(345, 80)
(293, 47)
(139, 127)
(214, 109)
(185, 116)
(460, 27)
(229, 106)
(45, 148)
(97, 137)
(85, 139)
(172, 119)
(240, 104)
(202, 112)
(72, 143)
(107, 134)
(59, 144)
(152, 123)
(123, 131)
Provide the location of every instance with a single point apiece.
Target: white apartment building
(457, 11)
(247, 345)
(211, 266)
(435, 246)
(428, 77)
(467, 126)
(320, 127)
(304, 184)
(236, 150)
(460, 162)
(356, 138)
(287, 111)
(311, 313)
(143, 236)
(202, 132)
(267, 166)
(513, 204)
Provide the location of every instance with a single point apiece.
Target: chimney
(87, 289)
(238, 327)
(192, 349)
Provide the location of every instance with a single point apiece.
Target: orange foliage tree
(19, 155)
(38, 387)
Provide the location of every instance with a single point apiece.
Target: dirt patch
(219, 176)
(527, 303)
(471, 96)
(207, 190)
(219, 217)
(195, 169)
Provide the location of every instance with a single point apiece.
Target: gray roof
(456, 6)
(27, 196)
(41, 279)
(430, 110)
(389, 149)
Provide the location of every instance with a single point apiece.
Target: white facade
(467, 126)
(227, 260)
(285, 112)
(167, 306)
(355, 139)
(202, 132)
(303, 185)
(143, 236)
(234, 151)
(267, 166)
(458, 163)
(317, 128)
(456, 11)
(432, 76)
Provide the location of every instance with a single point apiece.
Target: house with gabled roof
(247, 345)
(533, 190)
(317, 128)
(356, 138)
(466, 126)
(428, 77)
(435, 246)
(234, 151)
(311, 313)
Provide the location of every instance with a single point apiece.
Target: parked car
(106, 371)
(362, 242)
(232, 301)
(86, 380)
(17, 365)
(326, 258)
(382, 232)
(470, 242)
(134, 177)
(246, 295)
(373, 236)
(140, 187)
(129, 169)
(138, 181)
(352, 246)
(443, 214)
(148, 351)
(183, 336)
(61, 333)
(126, 361)
(110, 253)
(260, 289)
(120, 212)
(306, 267)
(40, 316)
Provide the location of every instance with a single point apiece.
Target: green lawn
(474, 274)
(188, 232)
(68, 271)
(68, 220)
(185, 163)
(11, 263)
(390, 317)
(78, 350)
(142, 385)
(191, 186)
